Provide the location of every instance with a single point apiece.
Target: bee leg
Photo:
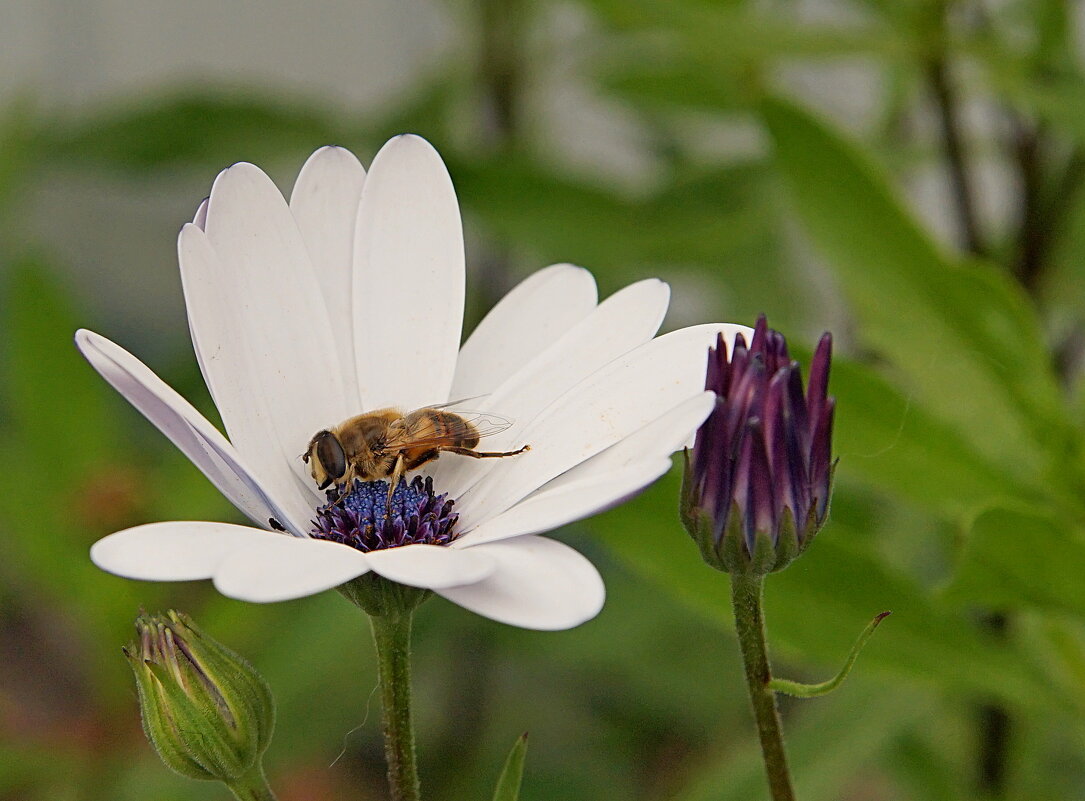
(485, 454)
(397, 474)
(345, 487)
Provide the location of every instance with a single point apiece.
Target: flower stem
(392, 635)
(746, 592)
(252, 786)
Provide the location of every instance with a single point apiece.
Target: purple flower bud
(758, 481)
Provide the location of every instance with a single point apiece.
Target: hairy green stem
(252, 786)
(746, 594)
(392, 635)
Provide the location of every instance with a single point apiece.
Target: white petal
(660, 438)
(187, 429)
(538, 584)
(282, 334)
(232, 370)
(619, 324)
(283, 568)
(626, 395)
(325, 204)
(199, 219)
(175, 551)
(554, 507)
(532, 316)
(408, 278)
(431, 566)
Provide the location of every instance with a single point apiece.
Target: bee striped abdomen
(452, 427)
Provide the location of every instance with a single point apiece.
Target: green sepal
(158, 726)
(730, 553)
(198, 728)
(732, 548)
(764, 554)
(801, 690)
(380, 597)
(788, 546)
(512, 774)
(238, 685)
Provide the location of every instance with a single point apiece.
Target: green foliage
(959, 428)
(210, 129)
(1013, 558)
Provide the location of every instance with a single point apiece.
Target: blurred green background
(905, 173)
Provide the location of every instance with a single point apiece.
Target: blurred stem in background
(502, 27)
(993, 720)
(940, 78)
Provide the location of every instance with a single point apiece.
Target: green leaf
(1016, 557)
(806, 690)
(508, 784)
(884, 438)
(961, 337)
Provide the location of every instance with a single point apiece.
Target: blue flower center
(362, 518)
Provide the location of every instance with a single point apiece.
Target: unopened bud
(757, 485)
(206, 710)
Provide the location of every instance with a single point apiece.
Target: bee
(386, 443)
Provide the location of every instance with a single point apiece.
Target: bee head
(326, 459)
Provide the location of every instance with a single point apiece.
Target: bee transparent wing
(450, 404)
(487, 423)
(481, 424)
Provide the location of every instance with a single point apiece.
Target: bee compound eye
(329, 453)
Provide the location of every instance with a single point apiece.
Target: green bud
(206, 710)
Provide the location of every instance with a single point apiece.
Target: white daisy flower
(350, 298)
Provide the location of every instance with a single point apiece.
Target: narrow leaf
(801, 690)
(508, 784)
